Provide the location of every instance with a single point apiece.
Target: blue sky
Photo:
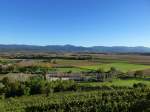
(77, 22)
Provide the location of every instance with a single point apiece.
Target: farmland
(125, 67)
(109, 82)
(75, 63)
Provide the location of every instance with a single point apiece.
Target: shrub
(139, 85)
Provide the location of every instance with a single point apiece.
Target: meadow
(124, 67)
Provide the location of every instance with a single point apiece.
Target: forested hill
(71, 48)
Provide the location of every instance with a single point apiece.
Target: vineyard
(118, 100)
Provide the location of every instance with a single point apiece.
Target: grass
(63, 62)
(118, 82)
(124, 67)
(109, 60)
(66, 69)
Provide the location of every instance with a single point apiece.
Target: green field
(118, 82)
(72, 69)
(124, 67)
(65, 62)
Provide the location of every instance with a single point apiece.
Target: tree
(5, 81)
(1, 68)
(44, 73)
(113, 69)
(69, 72)
(53, 61)
(100, 70)
(27, 91)
(10, 68)
(138, 73)
(13, 89)
(34, 84)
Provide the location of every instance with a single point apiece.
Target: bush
(139, 85)
(36, 85)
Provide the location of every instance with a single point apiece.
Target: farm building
(106, 75)
(103, 76)
(64, 76)
(81, 77)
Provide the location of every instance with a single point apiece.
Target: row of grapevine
(93, 101)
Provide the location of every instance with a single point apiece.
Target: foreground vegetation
(116, 100)
(39, 95)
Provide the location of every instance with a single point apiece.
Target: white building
(63, 76)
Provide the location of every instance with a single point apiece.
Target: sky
(75, 22)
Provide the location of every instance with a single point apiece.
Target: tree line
(35, 85)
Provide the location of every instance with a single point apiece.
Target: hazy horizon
(68, 45)
(75, 22)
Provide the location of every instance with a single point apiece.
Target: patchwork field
(121, 62)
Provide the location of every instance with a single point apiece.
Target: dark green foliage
(69, 72)
(139, 85)
(141, 106)
(36, 85)
(4, 69)
(33, 69)
(138, 73)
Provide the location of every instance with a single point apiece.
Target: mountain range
(72, 48)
